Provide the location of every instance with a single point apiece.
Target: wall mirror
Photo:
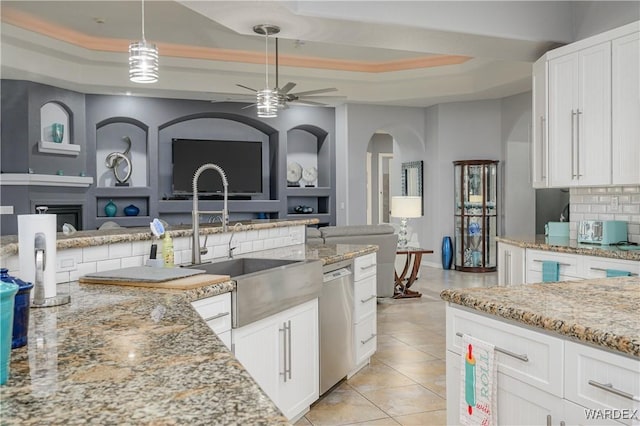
(412, 179)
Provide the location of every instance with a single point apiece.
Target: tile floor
(405, 382)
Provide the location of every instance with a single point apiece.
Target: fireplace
(65, 213)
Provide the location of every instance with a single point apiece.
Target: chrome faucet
(233, 231)
(195, 250)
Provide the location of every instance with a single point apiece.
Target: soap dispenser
(167, 250)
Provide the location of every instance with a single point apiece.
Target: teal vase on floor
(110, 209)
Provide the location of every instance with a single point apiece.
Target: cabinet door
(300, 385)
(625, 104)
(539, 147)
(258, 347)
(511, 264)
(577, 415)
(593, 118)
(563, 88)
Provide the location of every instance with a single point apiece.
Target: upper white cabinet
(625, 68)
(586, 101)
(539, 148)
(580, 117)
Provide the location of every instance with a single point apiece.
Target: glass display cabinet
(476, 215)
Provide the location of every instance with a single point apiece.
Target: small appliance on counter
(557, 229)
(602, 231)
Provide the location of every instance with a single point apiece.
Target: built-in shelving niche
(56, 130)
(110, 137)
(308, 146)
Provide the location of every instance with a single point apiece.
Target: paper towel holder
(39, 301)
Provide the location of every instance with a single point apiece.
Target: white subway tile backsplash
(246, 247)
(581, 208)
(120, 250)
(130, 261)
(633, 228)
(141, 247)
(624, 199)
(631, 208)
(591, 199)
(614, 189)
(220, 251)
(591, 216)
(92, 254)
(631, 189)
(604, 216)
(108, 265)
(12, 263)
(258, 245)
(252, 235)
(86, 268)
(598, 208)
(598, 191)
(182, 243)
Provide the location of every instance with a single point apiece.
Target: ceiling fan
(282, 94)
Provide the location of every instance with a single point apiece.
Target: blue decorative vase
(110, 209)
(131, 210)
(447, 252)
(20, 309)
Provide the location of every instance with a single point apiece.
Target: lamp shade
(406, 206)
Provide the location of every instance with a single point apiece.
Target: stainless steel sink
(267, 286)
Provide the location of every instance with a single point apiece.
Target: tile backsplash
(608, 203)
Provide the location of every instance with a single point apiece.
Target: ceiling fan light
(143, 62)
(267, 103)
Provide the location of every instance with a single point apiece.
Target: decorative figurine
(114, 160)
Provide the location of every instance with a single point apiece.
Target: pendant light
(267, 99)
(143, 59)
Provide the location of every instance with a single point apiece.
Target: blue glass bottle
(20, 309)
(447, 252)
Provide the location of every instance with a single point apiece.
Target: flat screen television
(240, 160)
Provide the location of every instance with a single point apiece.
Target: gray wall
(591, 17)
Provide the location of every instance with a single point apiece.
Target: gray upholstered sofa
(381, 235)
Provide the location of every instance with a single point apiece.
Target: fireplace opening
(65, 213)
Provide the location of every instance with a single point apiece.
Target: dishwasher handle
(336, 275)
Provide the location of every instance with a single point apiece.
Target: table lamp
(405, 207)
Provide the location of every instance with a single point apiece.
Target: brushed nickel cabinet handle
(284, 350)
(522, 357)
(559, 263)
(365, 341)
(289, 349)
(573, 174)
(373, 296)
(543, 137)
(609, 388)
(220, 315)
(578, 114)
(604, 270)
(548, 419)
(364, 268)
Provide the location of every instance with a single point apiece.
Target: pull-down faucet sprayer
(195, 249)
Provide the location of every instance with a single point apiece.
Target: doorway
(379, 172)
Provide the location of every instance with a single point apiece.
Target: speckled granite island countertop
(9, 243)
(123, 355)
(565, 245)
(602, 312)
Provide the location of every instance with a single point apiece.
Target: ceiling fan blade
(305, 102)
(245, 87)
(285, 89)
(313, 92)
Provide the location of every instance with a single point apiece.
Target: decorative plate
(310, 175)
(294, 172)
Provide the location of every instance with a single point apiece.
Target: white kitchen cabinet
(364, 311)
(511, 264)
(539, 148)
(216, 311)
(625, 104)
(570, 265)
(281, 354)
(580, 117)
(575, 377)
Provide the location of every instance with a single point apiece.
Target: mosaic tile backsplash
(600, 204)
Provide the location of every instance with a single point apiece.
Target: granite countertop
(602, 312)
(125, 355)
(565, 245)
(9, 243)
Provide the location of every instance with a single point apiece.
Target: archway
(379, 175)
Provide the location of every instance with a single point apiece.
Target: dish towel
(617, 273)
(478, 383)
(550, 271)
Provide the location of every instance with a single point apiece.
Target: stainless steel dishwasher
(336, 313)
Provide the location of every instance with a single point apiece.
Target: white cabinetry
(281, 354)
(216, 311)
(364, 310)
(511, 264)
(539, 148)
(625, 104)
(580, 117)
(560, 382)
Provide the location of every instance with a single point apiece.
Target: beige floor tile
(438, 349)
(377, 376)
(420, 371)
(343, 406)
(405, 400)
(419, 338)
(428, 418)
(391, 356)
(303, 422)
(387, 421)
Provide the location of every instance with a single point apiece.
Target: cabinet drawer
(216, 311)
(596, 267)
(542, 368)
(364, 298)
(364, 266)
(569, 264)
(598, 379)
(535, 277)
(365, 339)
(226, 338)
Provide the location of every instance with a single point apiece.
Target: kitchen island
(119, 355)
(561, 348)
